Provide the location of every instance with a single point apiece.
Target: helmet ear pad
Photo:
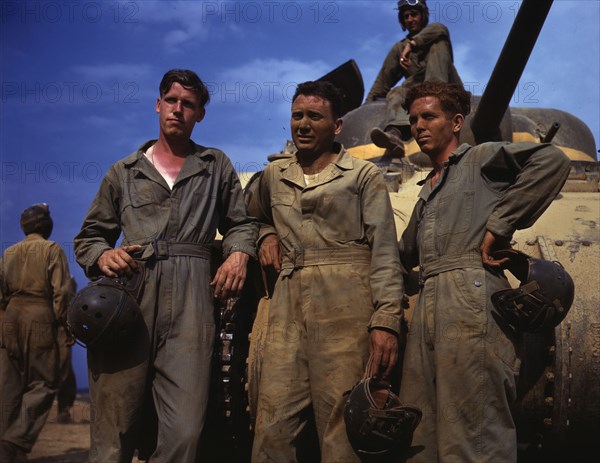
(542, 300)
(376, 421)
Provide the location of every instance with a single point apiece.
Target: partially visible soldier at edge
(425, 54)
(34, 295)
(327, 227)
(168, 199)
(67, 387)
(469, 206)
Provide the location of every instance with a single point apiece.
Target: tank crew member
(327, 227)
(461, 362)
(34, 295)
(168, 199)
(425, 54)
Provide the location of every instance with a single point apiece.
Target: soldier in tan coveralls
(327, 226)
(34, 294)
(425, 54)
(461, 363)
(167, 199)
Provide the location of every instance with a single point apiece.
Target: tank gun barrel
(509, 68)
(550, 135)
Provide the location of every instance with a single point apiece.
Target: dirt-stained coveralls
(176, 229)
(34, 294)
(339, 278)
(431, 61)
(460, 367)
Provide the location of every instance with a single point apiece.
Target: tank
(558, 411)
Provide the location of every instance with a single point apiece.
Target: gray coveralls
(431, 61)
(340, 277)
(172, 361)
(460, 366)
(34, 294)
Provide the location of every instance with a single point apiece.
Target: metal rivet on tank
(477, 283)
(547, 422)
(550, 376)
(549, 401)
(559, 242)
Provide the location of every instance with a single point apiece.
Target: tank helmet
(376, 421)
(413, 4)
(104, 314)
(36, 219)
(542, 300)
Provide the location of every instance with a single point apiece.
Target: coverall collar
(292, 172)
(195, 163)
(454, 158)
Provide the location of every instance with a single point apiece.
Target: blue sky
(79, 80)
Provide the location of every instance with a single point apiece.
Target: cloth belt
(301, 258)
(445, 264)
(162, 250)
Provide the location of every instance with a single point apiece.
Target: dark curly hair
(454, 99)
(187, 79)
(322, 89)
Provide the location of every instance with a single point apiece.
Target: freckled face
(313, 125)
(433, 129)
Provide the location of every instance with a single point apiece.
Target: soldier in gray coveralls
(168, 199)
(461, 364)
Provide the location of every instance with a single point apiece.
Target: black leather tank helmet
(413, 4)
(542, 300)
(104, 315)
(376, 421)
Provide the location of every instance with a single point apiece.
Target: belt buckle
(161, 249)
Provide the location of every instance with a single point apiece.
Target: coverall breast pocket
(282, 206)
(139, 215)
(454, 213)
(338, 217)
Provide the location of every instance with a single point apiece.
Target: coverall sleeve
(538, 173)
(430, 34)
(260, 206)
(101, 226)
(389, 75)
(60, 280)
(387, 287)
(238, 228)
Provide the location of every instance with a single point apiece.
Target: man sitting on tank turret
(425, 54)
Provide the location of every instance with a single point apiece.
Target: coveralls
(34, 294)
(430, 61)
(340, 277)
(172, 361)
(460, 365)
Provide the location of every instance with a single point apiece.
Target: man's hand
(489, 245)
(115, 262)
(405, 55)
(268, 254)
(231, 275)
(383, 345)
